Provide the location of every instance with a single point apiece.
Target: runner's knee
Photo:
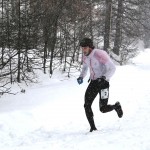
(103, 109)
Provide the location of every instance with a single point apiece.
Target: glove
(80, 80)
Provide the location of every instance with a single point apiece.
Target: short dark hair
(87, 42)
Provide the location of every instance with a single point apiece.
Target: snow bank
(50, 115)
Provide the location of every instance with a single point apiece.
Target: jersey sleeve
(84, 69)
(104, 58)
(110, 70)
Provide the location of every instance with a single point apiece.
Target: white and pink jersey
(99, 63)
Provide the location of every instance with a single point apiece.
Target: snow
(50, 115)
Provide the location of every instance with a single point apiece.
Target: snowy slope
(50, 115)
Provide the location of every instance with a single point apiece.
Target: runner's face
(86, 50)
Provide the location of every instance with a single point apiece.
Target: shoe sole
(119, 110)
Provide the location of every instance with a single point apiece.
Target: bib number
(104, 93)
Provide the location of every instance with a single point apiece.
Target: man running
(101, 70)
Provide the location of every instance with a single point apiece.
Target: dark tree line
(45, 34)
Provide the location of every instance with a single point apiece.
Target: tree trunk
(107, 24)
(8, 42)
(27, 37)
(53, 38)
(2, 42)
(13, 4)
(18, 46)
(118, 35)
(91, 21)
(45, 56)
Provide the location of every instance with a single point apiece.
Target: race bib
(104, 93)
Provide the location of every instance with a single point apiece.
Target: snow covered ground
(50, 115)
